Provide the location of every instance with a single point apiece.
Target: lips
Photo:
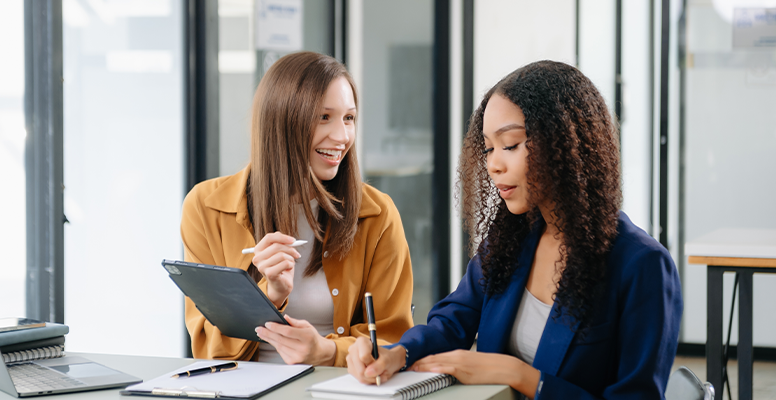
(505, 190)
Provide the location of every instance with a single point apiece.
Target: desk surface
(734, 243)
(151, 367)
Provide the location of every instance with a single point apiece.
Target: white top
(734, 242)
(528, 327)
(310, 299)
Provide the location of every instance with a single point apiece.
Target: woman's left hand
(475, 368)
(298, 343)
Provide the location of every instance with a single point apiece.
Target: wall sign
(754, 27)
(279, 25)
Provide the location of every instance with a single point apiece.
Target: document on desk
(249, 381)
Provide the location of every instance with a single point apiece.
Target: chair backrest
(683, 384)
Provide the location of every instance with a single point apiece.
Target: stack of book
(23, 339)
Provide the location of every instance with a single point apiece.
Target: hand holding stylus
(275, 259)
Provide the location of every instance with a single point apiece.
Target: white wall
(597, 45)
(123, 175)
(510, 34)
(635, 121)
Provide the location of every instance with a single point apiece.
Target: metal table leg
(745, 351)
(714, 326)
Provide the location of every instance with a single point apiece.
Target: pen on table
(296, 243)
(370, 316)
(207, 370)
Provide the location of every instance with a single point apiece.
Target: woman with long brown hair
(570, 299)
(303, 182)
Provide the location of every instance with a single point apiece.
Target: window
(123, 174)
(12, 176)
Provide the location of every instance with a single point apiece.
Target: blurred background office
(156, 97)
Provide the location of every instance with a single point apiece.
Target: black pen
(370, 316)
(207, 370)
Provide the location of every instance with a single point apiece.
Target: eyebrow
(506, 128)
(329, 108)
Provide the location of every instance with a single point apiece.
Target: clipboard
(227, 297)
(249, 380)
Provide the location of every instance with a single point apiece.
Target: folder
(249, 381)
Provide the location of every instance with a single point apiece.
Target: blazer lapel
(556, 338)
(500, 311)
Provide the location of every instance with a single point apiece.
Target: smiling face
(503, 129)
(336, 130)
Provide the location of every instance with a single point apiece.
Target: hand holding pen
(207, 370)
(275, 258)
(370, 363)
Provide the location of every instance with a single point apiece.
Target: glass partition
(396, 131)
(729, 141)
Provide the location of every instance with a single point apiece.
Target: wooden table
(745, 252)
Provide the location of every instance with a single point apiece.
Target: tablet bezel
(227, 312)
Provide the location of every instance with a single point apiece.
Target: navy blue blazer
(629, 346)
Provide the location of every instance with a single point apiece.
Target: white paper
(279, 25)
(249, 378)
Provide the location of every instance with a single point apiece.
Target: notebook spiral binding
(40, 353)
(426, 387)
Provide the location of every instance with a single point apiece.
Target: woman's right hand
(366, 369)
(275, 260)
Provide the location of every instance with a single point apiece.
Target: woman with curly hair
(566, 296)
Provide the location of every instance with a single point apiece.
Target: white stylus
(296, 243)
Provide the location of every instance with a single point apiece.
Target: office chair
(683, 384)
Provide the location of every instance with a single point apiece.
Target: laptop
(59, 375)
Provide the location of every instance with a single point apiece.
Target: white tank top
(310, 300)
(528, 327)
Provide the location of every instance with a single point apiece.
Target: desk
(151, 367)
(744, 251)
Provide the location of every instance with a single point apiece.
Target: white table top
(150, 367)
(734, 242)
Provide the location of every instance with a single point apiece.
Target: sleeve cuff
(538, 394)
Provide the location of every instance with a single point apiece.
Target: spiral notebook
(404, 385)
(38, 353)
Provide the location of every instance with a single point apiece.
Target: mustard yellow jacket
(215, 227)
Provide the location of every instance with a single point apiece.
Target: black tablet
(227, 297)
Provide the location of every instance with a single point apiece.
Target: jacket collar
(230, 197)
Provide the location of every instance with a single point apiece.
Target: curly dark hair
(573, 164)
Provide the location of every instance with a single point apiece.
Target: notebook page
(347, 384)
(249, 378)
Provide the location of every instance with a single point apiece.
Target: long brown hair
(573, 161)
(286, 109)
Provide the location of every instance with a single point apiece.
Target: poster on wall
(754, 27)
(279, 25)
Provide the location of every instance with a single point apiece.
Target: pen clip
(230, 368)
